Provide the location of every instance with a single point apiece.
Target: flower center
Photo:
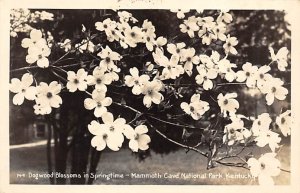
(40, 56)
(217, 30)
(229, 44)
(132, 34)
(98, 81)
(259, 123)
(262, 166)
(23, 90)
(150, 92)
(113, 32)
(178, 50)
(104, 136)
(247, 73)
(188, 28)
(104, 26)
(282, 120)
(111, 128)
(189, 59)
(76, 81)
(107, 59)
(136, 136)
(99, 104)
(228, 69)
(231, 131)
(169, 67)
(273, 89)
(148, 39)
(225, 102)
(192, 109)
(261, 76)
(136, 82)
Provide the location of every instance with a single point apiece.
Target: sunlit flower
(125, 17)
(280, 57)
(66, 45)
(229, 44)
(133, 36)
(47, 95)
(35, 37)
(219, 31)
(138, 138)
(99, 78)
(224, 16)
(148, 28)
(261, 75)
(104, 137)
(262, 123)
(247, 74)
(268, 137)
(85, 45)
(108, 57)
(189, 26)
(176, 49)
(205, 76)
(284, 121)
(225, 67)
(135, 81)
(180, 12)
(106, 25)
(77, 81)
(274, 89)
(38, 53)
(189, 58)
(228, 103)
(98, 102)
(196, 108)
(23, 89)
(264, 168)
(151, 92)
(235, 131)
(160, 42)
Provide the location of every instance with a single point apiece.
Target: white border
(291, 6)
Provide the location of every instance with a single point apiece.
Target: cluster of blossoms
(209, 30)
(171, 61)
(38, 49)
(111, 134)
(196, 108)
(46, 96)
(21, 18)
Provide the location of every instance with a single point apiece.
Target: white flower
(35, 37)
(133, 36)
(106, 25)
(77, 81)
(196, 108)
(149, 40)
(280, 57)
(38, 53)
(106, 134)
(268, 137)
(85, 45)
(261, 75)
(151, 92)
(135, 80)
(247, 74)
(138, 138)
(284, 121)
(205, 76)
(226, 67)
(219, 31)
(230, 42)
(228, 103)
(66, 45)
(274, 89)
(180, 12)
(206, 61)
(265, 167)
(189, 26)
(98, 102)
(99, 78)
(235, 131)
(108, 57)
(262, 123)
(47, 95)
(224, 16)
(189, 58)
(125, 17)
(176, 49)
(23, 89)
(148, 28)
(160, 42)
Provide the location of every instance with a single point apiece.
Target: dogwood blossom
(47, 96)
(230, 42)
(135, 81)
(189, 58)
(180, 13)
(196, 108)
(225, 67)
(85, 45)
(247, 74)
(39, 53)
(280, 57)
(228, 103)
(133, 36)
(77, 81)
(66, 45)
(99, 102)
(151, 92)
(23, 89)
(261, 75)
(189, 26)
(36, 37)
(108, 57)
(262, 123)
(205, 76)
(224, 16)
(273, 87)
(106, 25)
(264, 168)
(235, 131)
(104, 137)
(138, 138)
(99, 78)
(284, 121)
(268, 137)
(176, 49)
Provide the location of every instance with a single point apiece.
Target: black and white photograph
(140, 95)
